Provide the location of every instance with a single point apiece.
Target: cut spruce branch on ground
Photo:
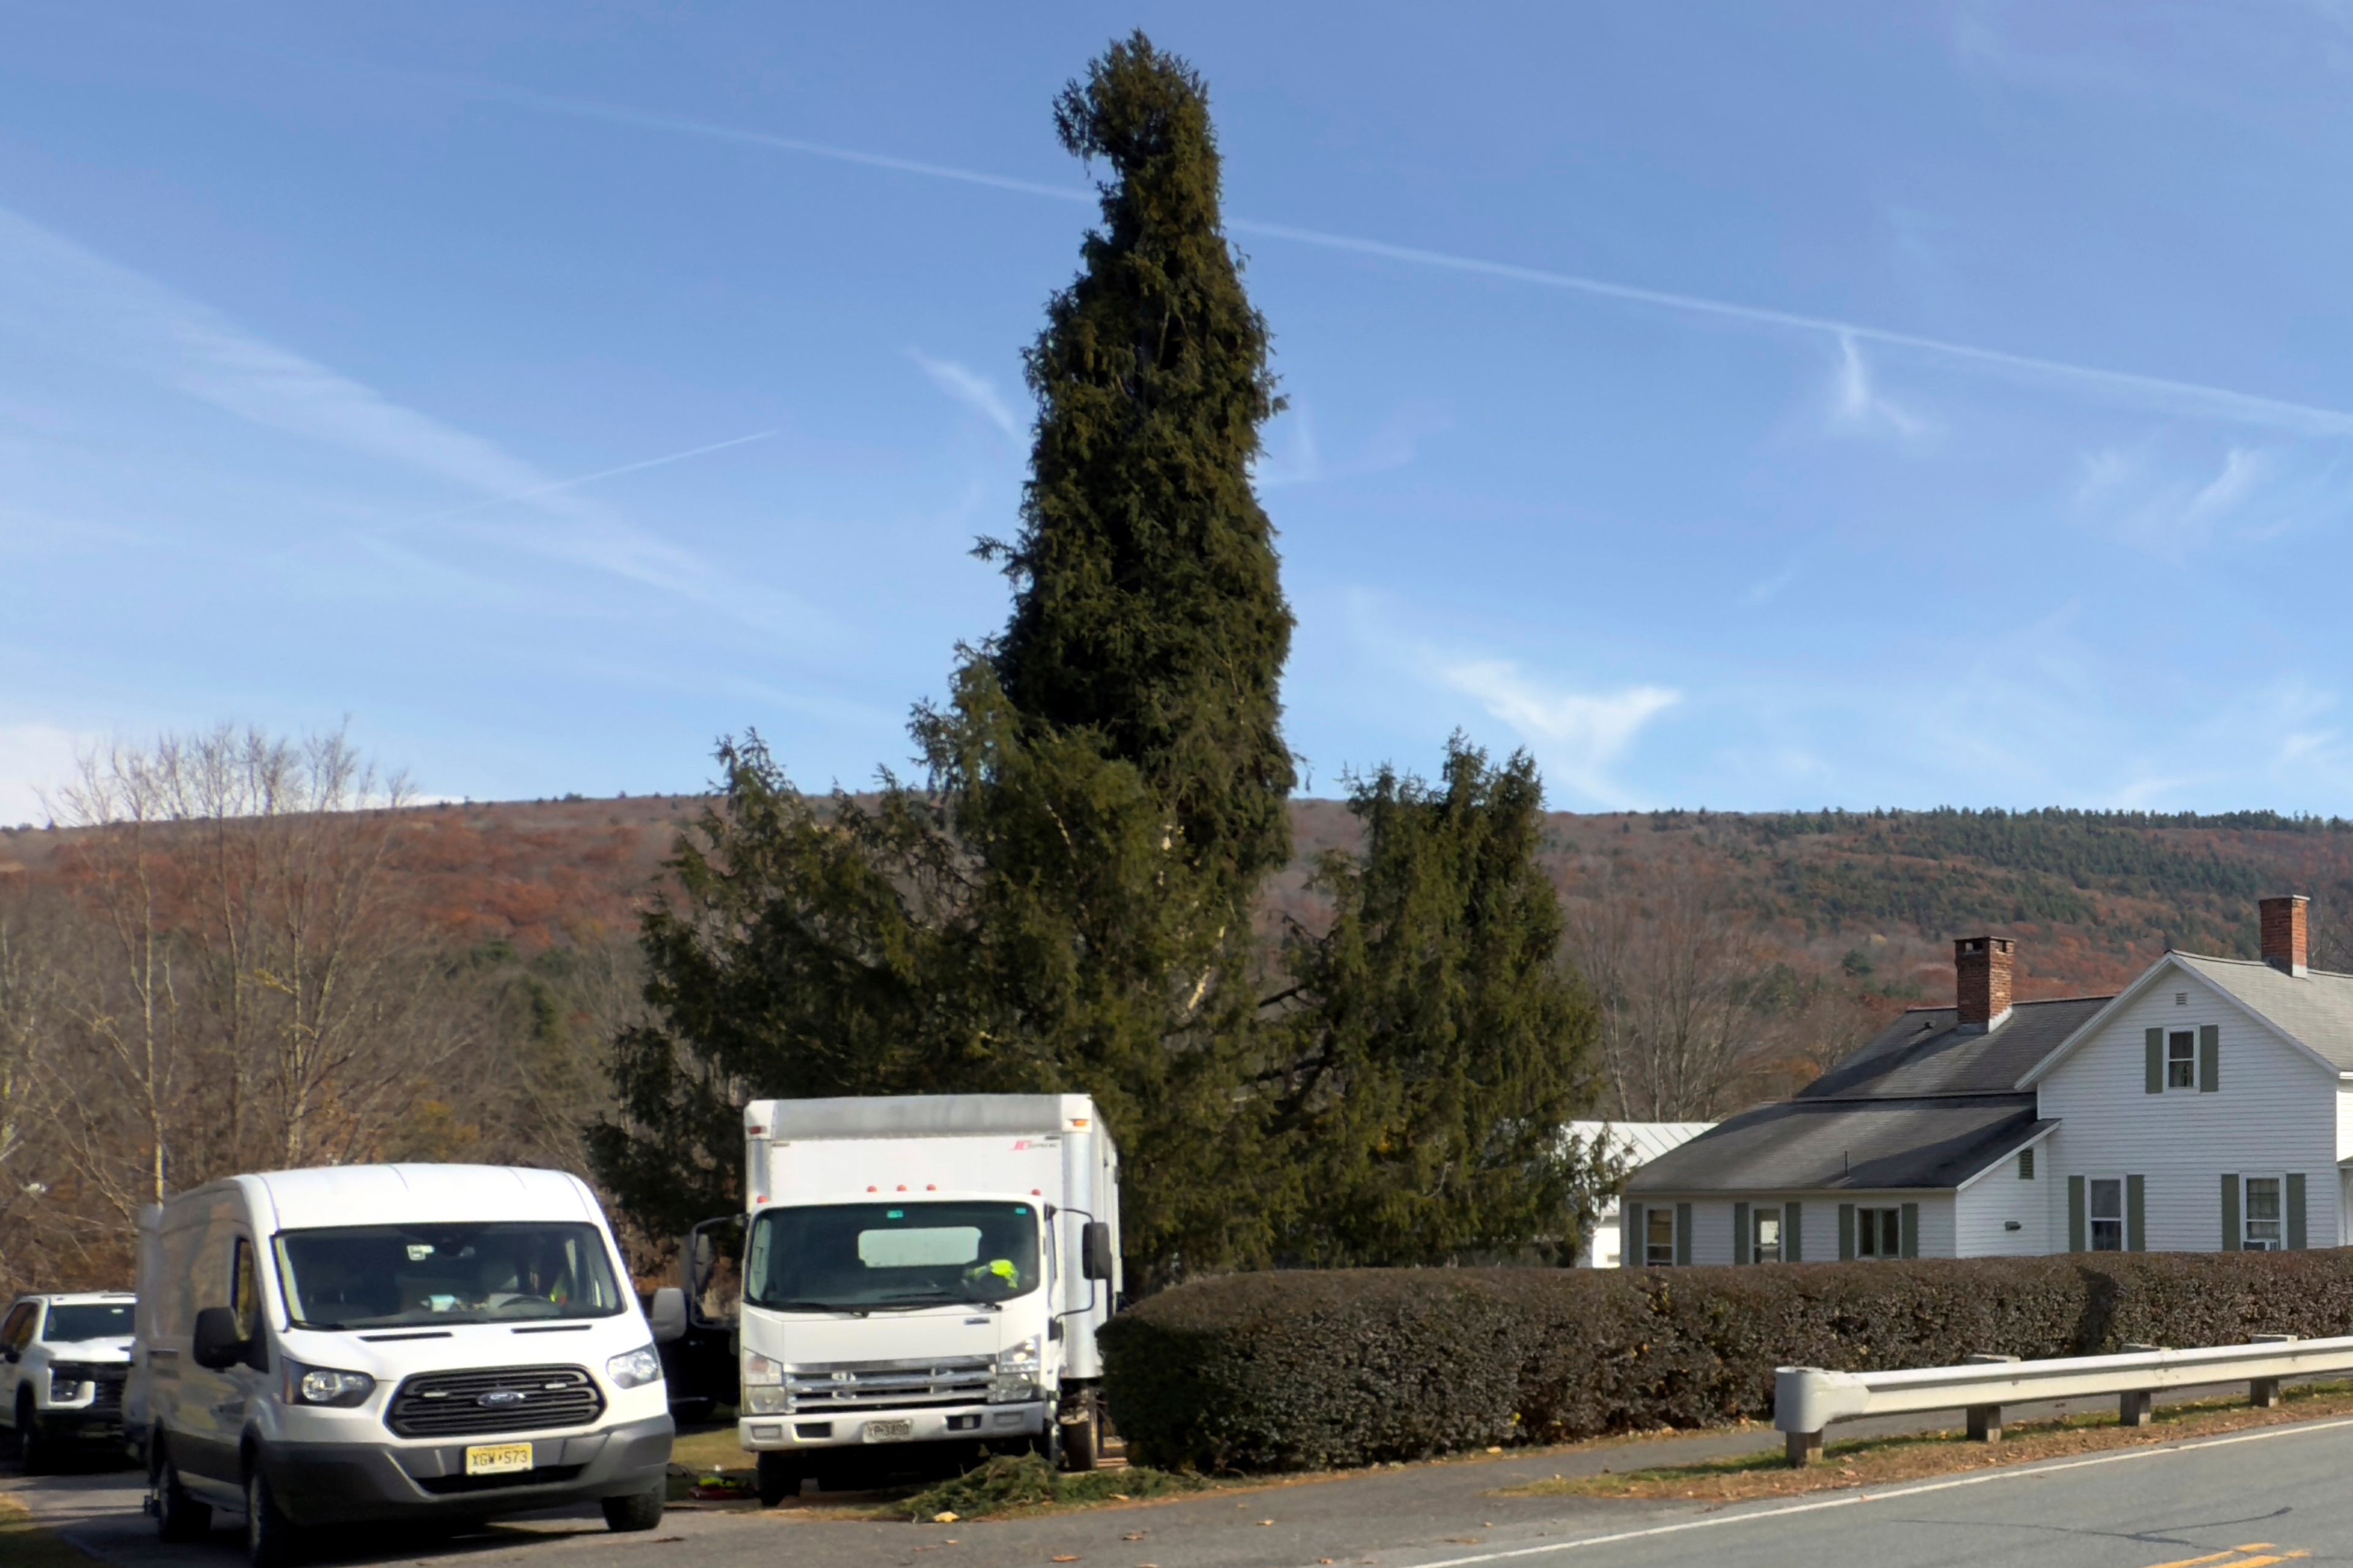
(1008, 1486)
(1882, 1461)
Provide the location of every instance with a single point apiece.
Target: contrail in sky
(577, 480)
(2185, 397)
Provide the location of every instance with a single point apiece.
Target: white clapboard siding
(1983, 1209)
(2276, 1112)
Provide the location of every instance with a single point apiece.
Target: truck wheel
(35, 1451)
(780, 1477)
(271, 1540)
(1082, 1433)
(178, 1515)
(638, 1510)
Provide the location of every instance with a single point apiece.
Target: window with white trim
(1878, 1233)
(1659, 1237)
(2264, 1228)
(2181, 1059)
(1765, 1234)
(2104, 1207)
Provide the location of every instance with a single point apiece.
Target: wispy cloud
(972, 389)
(2182, 398)
(1769, 589)
(1397, 443)
(1857, 405)
(2150, 499)
(1577, 737)
(56, 292)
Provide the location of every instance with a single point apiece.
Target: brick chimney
(1981, 966)
(2283, 932)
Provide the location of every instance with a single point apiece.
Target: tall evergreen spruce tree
(1065, 905)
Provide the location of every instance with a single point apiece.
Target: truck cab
(924, 1270)
(63, 1360)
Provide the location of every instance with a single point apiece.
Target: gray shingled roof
(1855, 1145)
(2317, 1008)
(1923, 1053)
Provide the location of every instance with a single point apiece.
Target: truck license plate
(497, 1458)
(889, 1431)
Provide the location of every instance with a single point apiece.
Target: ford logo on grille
(501, 1398)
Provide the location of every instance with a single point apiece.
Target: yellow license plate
(497, 1458)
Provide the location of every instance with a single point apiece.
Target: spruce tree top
(1147, 603)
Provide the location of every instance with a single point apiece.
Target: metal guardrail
(1807, 1399)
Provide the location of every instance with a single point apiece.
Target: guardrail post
(2137, 1408)
(1984, 1420)
(1803, 1447)
(2263, 1393)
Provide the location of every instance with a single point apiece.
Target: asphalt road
(2277, 1496)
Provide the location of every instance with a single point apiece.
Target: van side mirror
(218, 1345)
(668, 1315)
(1094, 1249)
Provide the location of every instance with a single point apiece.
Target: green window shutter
(1911, 1230)
(2135, 1216)
(1740, 1233)
(1634, 1238)
(1682, 1236)
(2295, 1212)
(2210, 1057)
(1793, 1227)
(2155, 1082)
(2077, 1239)
(1846, 1233)
(2230, 1213)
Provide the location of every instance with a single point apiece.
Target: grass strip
(1883, 1461)
(24, 1544)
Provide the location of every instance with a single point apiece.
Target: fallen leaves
(1132, 1535)
(1066, 1557)
(945, 1518)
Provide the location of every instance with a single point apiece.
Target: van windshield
(858, 1258)
(387, 1276)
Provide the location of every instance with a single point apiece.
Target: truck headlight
(764, 1399)
(1016, 1379)
(635, 1369)
(325, 1385)
(759, 1368)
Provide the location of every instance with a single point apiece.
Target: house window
(2264, 1232)
(1878, 1233)
(1765, 1234)
(1659, 1237)
(2026, 1165)
(2181, 1059)
(2106, 1205)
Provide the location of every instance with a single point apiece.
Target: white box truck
(427, 1342)
(924, 1269)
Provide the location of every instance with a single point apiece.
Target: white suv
(63, 1360)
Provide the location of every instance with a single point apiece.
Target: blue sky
(1738, 406)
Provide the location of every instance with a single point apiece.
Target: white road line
(1851, 1500)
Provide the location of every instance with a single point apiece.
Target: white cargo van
(924, 1269)
(387, 1342)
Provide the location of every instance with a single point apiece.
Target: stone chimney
(2283, 932)
(1981, 966)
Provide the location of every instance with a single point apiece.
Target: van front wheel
(270, 1539)
(638, 1510)
(178, 1515)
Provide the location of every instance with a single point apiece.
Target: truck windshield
(856, 1257)
(384, 1275)
(71, 1320)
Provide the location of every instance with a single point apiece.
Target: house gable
(2173, 969)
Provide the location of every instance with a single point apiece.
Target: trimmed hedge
(1292, 1370)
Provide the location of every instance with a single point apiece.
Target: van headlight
(635, 1369)
(1014, 1381)
(325, 1385)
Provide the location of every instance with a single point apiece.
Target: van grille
(468, 1403)
(887, 1385)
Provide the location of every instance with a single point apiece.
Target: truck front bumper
(882, 1427)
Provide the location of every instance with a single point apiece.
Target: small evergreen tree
(1438, 1045)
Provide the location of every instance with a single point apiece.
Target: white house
(2207, 1107)
(1634, 1145)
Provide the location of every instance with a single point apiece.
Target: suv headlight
(635, 1369)
(66, 1379)
(325, 1385)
